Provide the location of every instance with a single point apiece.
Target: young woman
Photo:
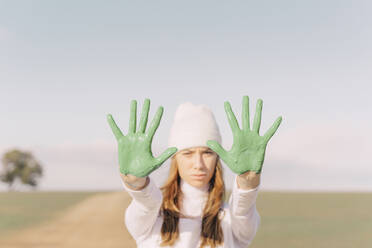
(188, 211)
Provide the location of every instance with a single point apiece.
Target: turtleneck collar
(193, 199)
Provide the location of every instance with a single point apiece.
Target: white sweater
(239, 223)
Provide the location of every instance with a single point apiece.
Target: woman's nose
(198, 161)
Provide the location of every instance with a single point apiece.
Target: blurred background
(64, 65)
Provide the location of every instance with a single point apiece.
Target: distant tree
(20, 166)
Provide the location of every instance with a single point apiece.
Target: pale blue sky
(65, 64)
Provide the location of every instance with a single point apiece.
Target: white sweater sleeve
(143, 210)
(245, 219)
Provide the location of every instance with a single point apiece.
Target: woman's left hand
(248, 150)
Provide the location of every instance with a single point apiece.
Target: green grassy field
(316, 220)
(24, 209)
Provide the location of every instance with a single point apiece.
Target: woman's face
(196, 165)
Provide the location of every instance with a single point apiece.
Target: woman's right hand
(134, 149)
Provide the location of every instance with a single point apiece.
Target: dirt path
(96, 222)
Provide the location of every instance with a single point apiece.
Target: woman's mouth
(198, 176)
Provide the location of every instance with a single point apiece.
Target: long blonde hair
(211, 230)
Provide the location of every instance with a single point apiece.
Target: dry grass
(305, 220)
(96, 222)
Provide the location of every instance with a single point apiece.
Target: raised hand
(134, 149)
(248, 150)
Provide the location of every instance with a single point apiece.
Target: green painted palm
(248, 150)
(134, 149)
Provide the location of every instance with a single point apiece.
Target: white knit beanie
(193, 125)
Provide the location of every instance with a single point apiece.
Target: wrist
(136, 184)
(248, 180)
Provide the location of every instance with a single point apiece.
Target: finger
(245, 114)
(257, 117)
(231, 117)
(133, 117)
(165, 155)
(144, 116)
(217, 148)
(115, 129)
(272, 129)
(155, 122)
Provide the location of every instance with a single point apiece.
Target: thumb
(217, 148)
(164, 156)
